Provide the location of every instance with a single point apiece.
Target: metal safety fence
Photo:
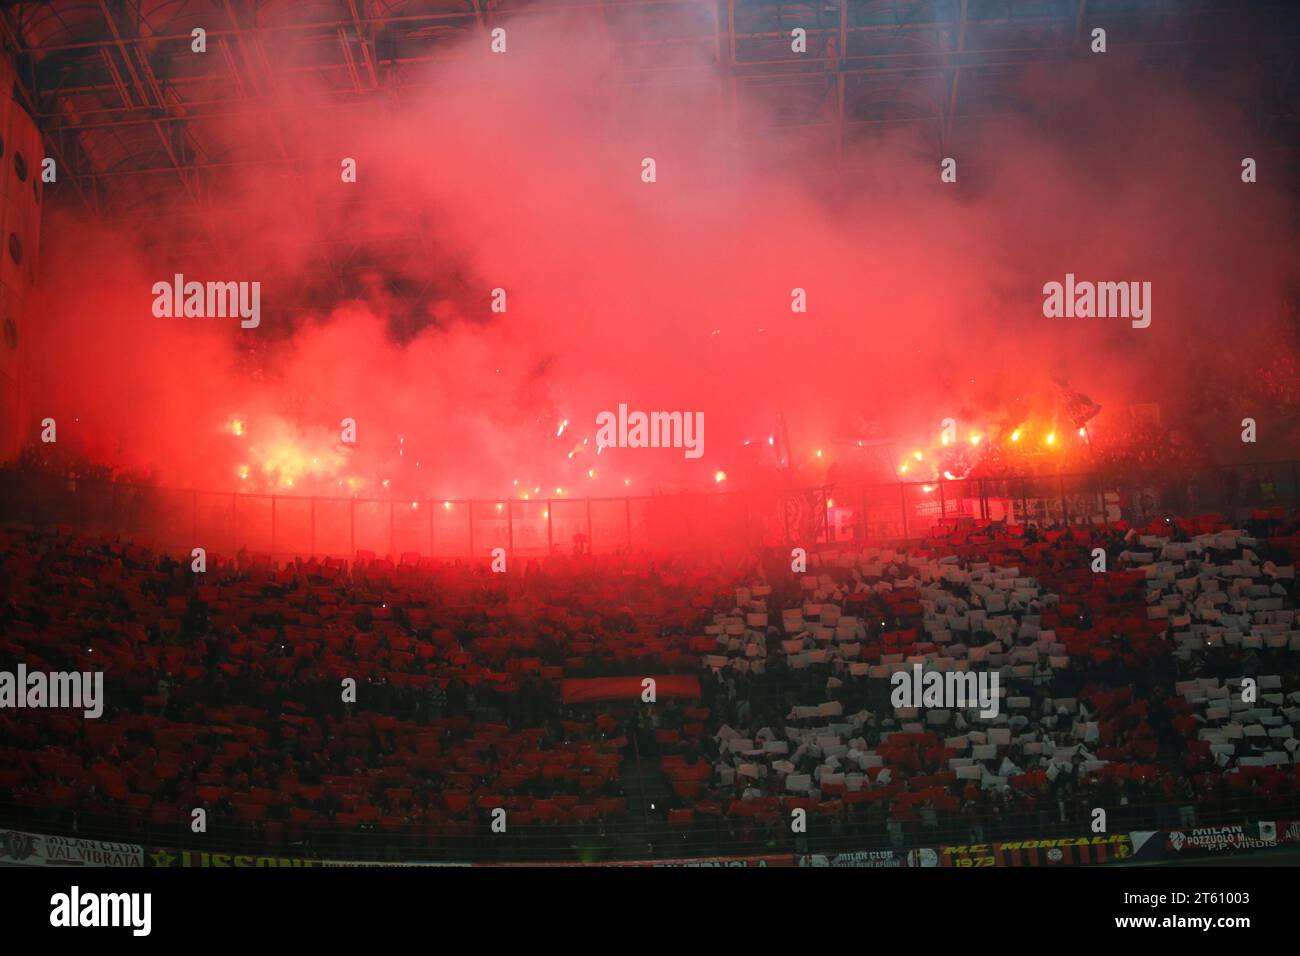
(286, 526)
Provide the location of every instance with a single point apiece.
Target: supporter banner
(1207, 841)
(201, 858)
(771, 859)
(377, 863)
(784, 859)
(161, 857)
(32, 849)
(1147, 845)
(578, 690)
(874, 859)
(1062, 851)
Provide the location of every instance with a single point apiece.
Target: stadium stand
(1123, 690)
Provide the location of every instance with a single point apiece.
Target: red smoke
(523, 171)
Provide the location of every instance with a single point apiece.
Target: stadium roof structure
(135, 121)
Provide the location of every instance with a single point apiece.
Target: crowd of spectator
(228, 691)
